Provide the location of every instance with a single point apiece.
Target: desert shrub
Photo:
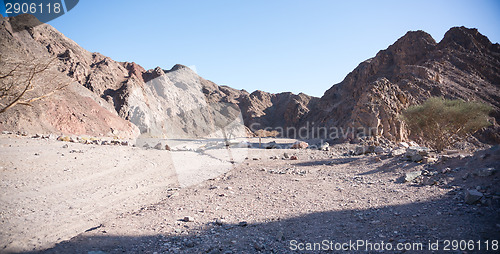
(442, 122)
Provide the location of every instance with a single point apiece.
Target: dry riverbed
(266, 203)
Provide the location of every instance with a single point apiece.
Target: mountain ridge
(463, 65)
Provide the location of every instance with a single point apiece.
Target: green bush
(442, 122)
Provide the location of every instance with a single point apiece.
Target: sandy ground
(265, 204)
(51, 192)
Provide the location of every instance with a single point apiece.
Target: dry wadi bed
(270, 204)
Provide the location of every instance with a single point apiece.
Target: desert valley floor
(120, 199)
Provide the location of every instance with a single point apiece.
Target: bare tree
(17, 82)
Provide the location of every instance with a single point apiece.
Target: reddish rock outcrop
(464, 65)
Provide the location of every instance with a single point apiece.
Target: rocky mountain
(126, 99)
(72, 110)
(161, 103)
(464, 64)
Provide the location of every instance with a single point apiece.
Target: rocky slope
(72, 110)
(465, 65)
(161, 103)
(179, 103)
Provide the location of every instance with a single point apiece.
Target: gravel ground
(270, 204)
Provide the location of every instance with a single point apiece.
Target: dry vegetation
(444, 122)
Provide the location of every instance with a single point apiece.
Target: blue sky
(275, 46)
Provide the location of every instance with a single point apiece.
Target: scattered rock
(243, 224)
(397, 152)
(271, 145)
(445, 170)
(403, 144)
(159, 146)
(188, 219)
(167, 147)
(300, 145)
(412, 176)
(472, 196)
(465, 176)
(450, 152)
(65, 146)
(63, 138)
(416, 153)
(294, 158)
(429, 181)
(280, 236)
(286, 156)
(219, 222)
(324, 146)
(483, 172)
(379, 150)
(429, 160)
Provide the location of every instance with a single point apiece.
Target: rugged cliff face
(126, 98)
(161, 103)
(72, 110)
(465, 65)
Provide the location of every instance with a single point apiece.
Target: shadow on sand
(405, 224)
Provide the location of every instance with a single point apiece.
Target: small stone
(219, 222)
(472, 196)
(379, 150)
(450, 152)
(397, 152)
(484, 172)
(243, 224)
(416, 157)
(404, 144)
(429, 160)
(429, 181)
(159, 146)
(416, 153)
(271, 145)
(286, 156)
(258, 246)
(445, 170)
(300, 145)
(65, 146)
(324, 146)
(279, 236)
(412, 176)
(188, 219)
(294, 158)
